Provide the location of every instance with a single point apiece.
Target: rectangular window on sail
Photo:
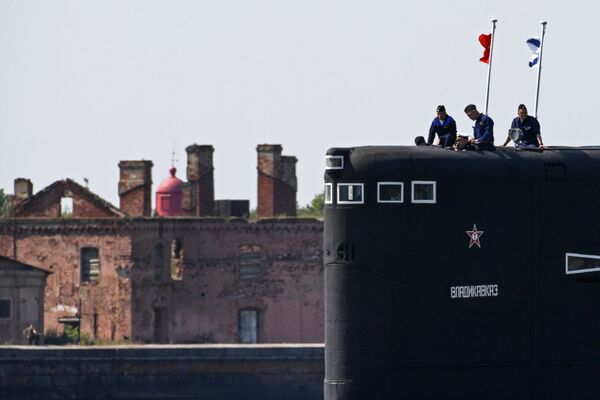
(328, 193)
(334, 162)
(390, 192)
(581, 263)
(350, 193)
(423, 192)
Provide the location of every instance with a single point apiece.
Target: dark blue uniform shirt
(483, 130)
(442, 128)
(530, 128)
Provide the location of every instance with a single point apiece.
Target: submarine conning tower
(462, 274)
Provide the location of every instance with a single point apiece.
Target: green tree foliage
(5, 205)
(253, 216)
(70, 335)
(2, 200)
(315, 209)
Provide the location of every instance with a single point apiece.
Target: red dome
(169, 196)
(170, 185)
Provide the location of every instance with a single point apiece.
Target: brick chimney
(135, 188)
(199, 192)
(276, 182)
(286, 195)
(23, 189)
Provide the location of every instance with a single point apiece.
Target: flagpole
(487, 93)
(537, 86)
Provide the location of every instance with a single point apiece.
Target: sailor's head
(471, 111)
(441, 112)
(522, 112)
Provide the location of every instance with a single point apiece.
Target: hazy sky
(84, 84)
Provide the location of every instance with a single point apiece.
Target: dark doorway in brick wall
(161, 325)
(248, 326)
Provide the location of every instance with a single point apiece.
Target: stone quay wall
(162, 372)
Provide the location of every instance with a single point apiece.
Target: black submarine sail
(462, 274)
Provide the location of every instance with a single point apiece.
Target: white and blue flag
(534, 45)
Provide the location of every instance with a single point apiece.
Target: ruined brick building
(199, 271)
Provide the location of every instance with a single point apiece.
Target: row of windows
(423, 192)
(250, 261)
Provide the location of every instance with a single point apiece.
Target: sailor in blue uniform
(532, 137)
(444, 126)
(483, 130)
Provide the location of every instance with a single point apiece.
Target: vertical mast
(539, 75)
(487, 92)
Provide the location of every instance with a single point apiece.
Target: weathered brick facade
(138, 295)
(55, 245)
(47, 202)
(286, 289)
(175, 279)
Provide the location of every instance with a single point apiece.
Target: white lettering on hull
(473, 291)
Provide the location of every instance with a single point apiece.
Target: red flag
(486, 41)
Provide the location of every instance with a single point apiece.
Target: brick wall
(56, 246)
(205, 304)
(139, 297)
(47, 203)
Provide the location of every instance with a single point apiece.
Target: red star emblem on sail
(474, 235)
